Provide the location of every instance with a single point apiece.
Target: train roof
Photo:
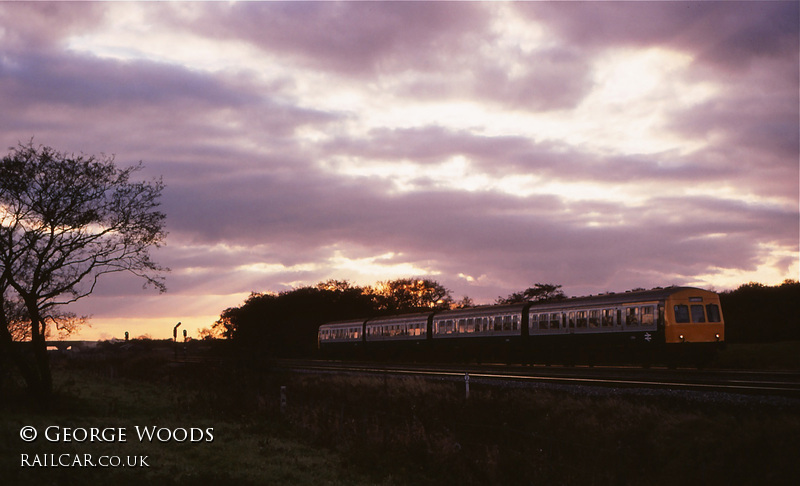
(620, 297)
(401, 317)
(610, 298)
(484, 309)
(347, 323)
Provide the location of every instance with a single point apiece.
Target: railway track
(767, 383)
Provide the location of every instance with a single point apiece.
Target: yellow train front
(694, 328)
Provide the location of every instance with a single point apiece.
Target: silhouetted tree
(286, 324)
(406, 294)
(755, 312)
(538, 293)
(65, 220)
(464, 303)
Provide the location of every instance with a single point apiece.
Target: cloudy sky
(489, 146)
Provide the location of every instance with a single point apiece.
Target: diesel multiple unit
(666, 324)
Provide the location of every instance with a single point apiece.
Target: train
(671, 326)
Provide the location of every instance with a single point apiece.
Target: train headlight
(681, 338)
(717, 336)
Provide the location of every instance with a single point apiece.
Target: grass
(352, 430)
(764, 356)
(426, 433)
(249, 446)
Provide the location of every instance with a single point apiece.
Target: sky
(486, 145)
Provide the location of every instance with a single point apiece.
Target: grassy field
(251, 443)
(387, 431)
(760, 356)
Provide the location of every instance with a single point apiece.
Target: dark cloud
(505, 155)
(77, 81)
(726, 34)
(40, 26)
(349, 37)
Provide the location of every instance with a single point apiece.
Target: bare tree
(65, 220)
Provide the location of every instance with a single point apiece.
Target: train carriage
(480, 333)
(402, 336)
(341, 339)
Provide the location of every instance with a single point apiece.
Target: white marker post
(466, 384)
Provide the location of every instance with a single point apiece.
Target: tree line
(286, 324)
(761, 313)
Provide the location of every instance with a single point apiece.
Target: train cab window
(697, 314)
(632, 316)
(712, 311)
(682, 314)
(648, 316)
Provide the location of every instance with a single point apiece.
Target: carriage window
(594, 318)
(515, 322)
(571, 320)
(712, 310)
(555, 321)
(506, 323)
(648, 316)
(608, 317)
(682, 313)
(697, 314)
(580, 317)
(632, 316)
(544, 321)
(462, 324)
